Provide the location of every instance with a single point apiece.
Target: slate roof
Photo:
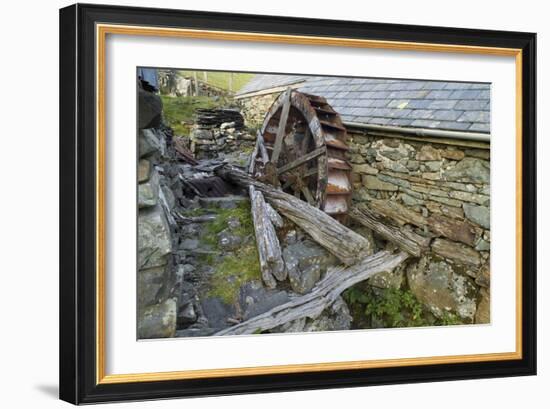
(455, 106)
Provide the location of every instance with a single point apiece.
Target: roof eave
(433, 133)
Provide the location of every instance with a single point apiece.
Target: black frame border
(78, 197)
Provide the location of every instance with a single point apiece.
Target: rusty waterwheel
(302, 148)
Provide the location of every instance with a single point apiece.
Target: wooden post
(281, 129)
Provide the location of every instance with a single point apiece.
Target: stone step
(223, 202)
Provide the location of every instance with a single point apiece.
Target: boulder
(217, 312)
(157, 321)
(442, 290)
(149, 284)
(154, 242)
(148, 192)
(150, 143)
(149, 109)
(305, 262)
(255, 299)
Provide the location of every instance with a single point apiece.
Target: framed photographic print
(257, 203)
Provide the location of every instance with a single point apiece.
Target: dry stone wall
(255, 108)
(441, 191)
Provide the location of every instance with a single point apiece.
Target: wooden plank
(406, 240)
(300, 161)
(281, 130)
(322, 296)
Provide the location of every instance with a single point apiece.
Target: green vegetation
(178, 111)
(392, 308)
(221, 79)
(233, 269)
(214, 227)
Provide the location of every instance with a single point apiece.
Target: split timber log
(348, 246)
(406, 240)
(275, 218)
(325, 292)
(269, 249)
(259, 149)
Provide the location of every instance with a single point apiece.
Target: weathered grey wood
(281, 129)
(275, 217)
(252, 158)
(406, 240)
(345, 244)
(301, 160)
(322, 296)
(307, 194)
(259, 230)
(397, 213)
(269, 249)
(263, 150)
(275, 256)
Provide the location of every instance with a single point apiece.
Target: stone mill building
(420, 152)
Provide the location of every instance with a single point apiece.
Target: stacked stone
(442, 192)
(156, 310)
(254, 108)
(208, 142)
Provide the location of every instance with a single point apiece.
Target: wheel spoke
(281, 129)
(300, 161)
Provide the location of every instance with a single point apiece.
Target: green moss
(241, 213)
(199, 211)
(231, 270)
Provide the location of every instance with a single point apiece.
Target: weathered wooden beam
(301, 160)
(252, 157)
(345, 244)
(406, 240)
(263, 150)
(275, 218)
(269, 249)
(397, 212)
(281, 129)
(322, 296)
